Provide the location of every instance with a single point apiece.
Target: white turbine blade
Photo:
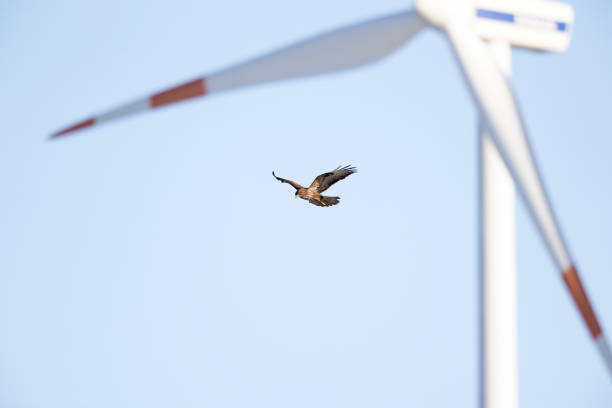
(337, 50)
(497, 105)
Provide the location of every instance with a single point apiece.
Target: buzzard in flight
(319, 185)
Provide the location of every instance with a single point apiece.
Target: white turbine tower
(481, 33)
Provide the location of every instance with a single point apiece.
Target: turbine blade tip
(78, 126)
(604, 349)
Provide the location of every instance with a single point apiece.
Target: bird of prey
(319, 185)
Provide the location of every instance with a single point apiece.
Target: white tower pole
(498, 305)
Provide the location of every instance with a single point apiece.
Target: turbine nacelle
(441, 13)
(538, 25)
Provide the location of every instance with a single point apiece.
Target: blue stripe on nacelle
(510, 18)
(495, 15)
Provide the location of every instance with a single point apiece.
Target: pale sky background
(155, 262)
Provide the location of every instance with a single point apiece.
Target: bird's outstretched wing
(325, 180)
(293, 183)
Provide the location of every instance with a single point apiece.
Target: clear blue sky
(155, 261)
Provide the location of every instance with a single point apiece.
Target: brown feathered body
(314, 197)
(321, 183)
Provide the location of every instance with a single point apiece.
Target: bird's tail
(330, 200)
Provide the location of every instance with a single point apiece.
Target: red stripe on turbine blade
(179, 93)
(80, 125)
(570, 276)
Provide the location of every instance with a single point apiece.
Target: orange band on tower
(179, 93)
(582, 301)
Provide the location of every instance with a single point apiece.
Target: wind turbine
(481, 33)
